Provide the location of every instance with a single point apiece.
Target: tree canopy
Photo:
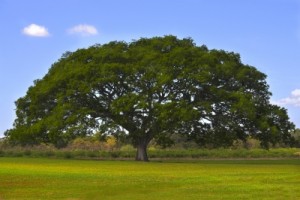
(149, 89)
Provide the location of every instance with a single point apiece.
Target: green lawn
(37, 178)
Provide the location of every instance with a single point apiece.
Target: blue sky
(35, 33)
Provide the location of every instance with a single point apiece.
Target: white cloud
(296, 93)
(83, 30)
(293, 99)
(35, 30)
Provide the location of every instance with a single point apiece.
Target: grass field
(42, 178)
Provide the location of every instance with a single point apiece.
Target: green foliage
(82, 148)
(150, 89)
(296, 136)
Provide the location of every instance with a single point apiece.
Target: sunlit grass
(32, 178)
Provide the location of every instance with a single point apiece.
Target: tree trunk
(141, 153)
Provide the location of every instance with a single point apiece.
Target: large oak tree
(150, 88)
